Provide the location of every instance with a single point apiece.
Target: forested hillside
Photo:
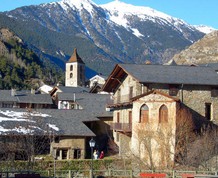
(20, 67)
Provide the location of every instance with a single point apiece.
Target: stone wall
(194, 97)
(124, 89)
(70, 144)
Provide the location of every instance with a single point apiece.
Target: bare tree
(163, 145)
(203, 151)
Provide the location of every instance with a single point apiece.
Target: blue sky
(194, 12)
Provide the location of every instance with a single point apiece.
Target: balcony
(123, 100)
(122, 127)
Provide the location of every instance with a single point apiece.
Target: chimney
(59, 83)
(33, 91)
(13, 92)
(147, 62)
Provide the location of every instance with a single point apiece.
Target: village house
(153, 102)
(24, 99)
(87, 119)
(63, 89)
(65, 132)
(61, 122)
(97, 79)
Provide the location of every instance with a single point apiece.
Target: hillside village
(158, 114)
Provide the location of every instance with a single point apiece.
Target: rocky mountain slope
(104, 35)
(203, 51)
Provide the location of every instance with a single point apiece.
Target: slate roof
(70, 122)
(212, 65)
(35, 98)
(90, 102)
(73, 89)
(62, 122)
(5, 95)
(25, 96)
(167, 74)
(66, 122)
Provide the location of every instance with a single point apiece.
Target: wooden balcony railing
(125, 127)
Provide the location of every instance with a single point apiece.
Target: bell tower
(75, 71)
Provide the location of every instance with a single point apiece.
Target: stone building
(153, 100)
(97, 79)
(75, 71)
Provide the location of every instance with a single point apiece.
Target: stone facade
(128, 88)
(185, 106)
(160, 133)
(68, 148)
(195, 97)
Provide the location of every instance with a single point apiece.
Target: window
(7, 105)
(163, 114)
(77, 153)
(130, 92)
(144, 112)
(118, 95)
(173, 90)
(208, 111)
(71, 68)
(130, 120)
(71, 75)
(64, 154)
(118, 117)
(130, 117)
(57, 139)
(214, 92)
(117, 137)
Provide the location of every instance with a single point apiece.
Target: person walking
(101, 155)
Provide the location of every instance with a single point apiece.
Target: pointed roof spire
(75, 57)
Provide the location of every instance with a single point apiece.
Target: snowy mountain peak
(128, 9)
(205, 29)
(119, 11)
(78, 4)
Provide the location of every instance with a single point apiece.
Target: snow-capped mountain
(119, 13)
(111, 33)
(204, 29)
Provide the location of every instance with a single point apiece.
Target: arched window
(71, 67)
(144, 112)
(71, 75)
(163, 114)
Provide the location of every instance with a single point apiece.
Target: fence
(109, 173)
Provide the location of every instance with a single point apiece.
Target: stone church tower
(75, 71)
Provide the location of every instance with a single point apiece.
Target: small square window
(173, 90)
